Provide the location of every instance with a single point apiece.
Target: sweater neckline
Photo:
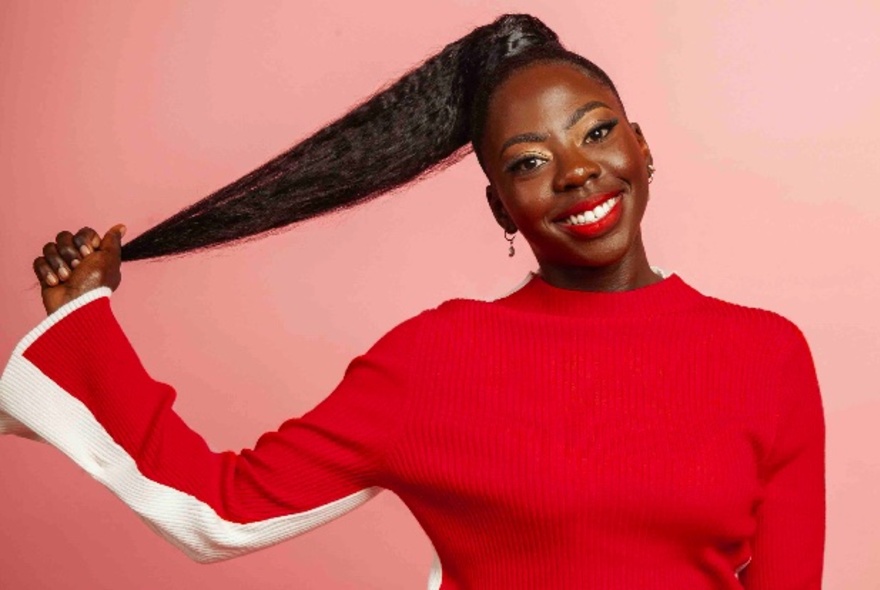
(670, 294)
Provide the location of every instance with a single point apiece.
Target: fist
(75, 264)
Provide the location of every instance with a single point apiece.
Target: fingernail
(122, 231)
(74, 263)
(51, 279)
(96, 241)
(62, 272)
(85, 250)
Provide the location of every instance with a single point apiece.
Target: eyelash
(515, 167)
(606, 127)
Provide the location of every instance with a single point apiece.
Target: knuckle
(87, 234)
(63, 235)
(67, 250)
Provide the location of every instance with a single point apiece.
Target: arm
(788, 546)
(76, 383)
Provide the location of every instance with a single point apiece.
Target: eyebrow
(537, 137)
(578, 114)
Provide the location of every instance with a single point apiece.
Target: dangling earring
(510, 251)
(651, 170)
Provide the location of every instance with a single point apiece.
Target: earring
(651, 170)
(510, 251)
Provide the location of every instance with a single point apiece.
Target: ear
(643, 143)
(498, 210)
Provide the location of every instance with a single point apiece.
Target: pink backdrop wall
(764, 123)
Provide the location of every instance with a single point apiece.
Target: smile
(594, 222)
(593, 215)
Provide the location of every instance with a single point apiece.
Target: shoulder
(765, 327)
(771, 347)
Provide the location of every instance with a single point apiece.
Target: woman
(605, 425)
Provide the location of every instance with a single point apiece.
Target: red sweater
(655, 438)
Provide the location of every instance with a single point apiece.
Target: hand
(75, 264)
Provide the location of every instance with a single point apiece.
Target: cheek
(529, 204)
(625, 165)
(627, 157)
(529, 217)
(524, 217)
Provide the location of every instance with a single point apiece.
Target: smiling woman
(570, 172)
(606, 425)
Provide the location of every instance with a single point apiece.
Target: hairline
(541, 60)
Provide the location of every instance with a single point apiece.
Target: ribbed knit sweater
(650, 439)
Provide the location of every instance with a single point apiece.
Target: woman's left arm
(789, 544)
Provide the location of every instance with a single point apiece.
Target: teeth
(596, 214)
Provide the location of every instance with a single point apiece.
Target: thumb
(112, 240)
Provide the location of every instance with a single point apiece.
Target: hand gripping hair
(427, 120)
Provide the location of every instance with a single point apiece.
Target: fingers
(64, 254)
(96, 262)
(67, 249)
(56, 262)
(112, 240)
(44, 272)
(87, 240)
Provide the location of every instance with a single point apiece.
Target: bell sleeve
(76, 383)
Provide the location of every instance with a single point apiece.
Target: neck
(633, 271)
(662, 297)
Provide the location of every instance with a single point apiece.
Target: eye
(600, 131)
(526, 164)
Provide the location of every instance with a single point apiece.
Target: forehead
(540, 97)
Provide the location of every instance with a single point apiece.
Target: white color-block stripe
(34, 406)
(9, 424)
(435, 576)
(58, 315)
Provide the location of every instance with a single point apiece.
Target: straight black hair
(427, 120)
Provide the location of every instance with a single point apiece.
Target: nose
(573, 169)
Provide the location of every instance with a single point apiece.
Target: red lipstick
(595, 228)
(587, 205)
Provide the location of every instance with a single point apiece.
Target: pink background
(763, 121)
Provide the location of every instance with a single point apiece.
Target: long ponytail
(418, 125)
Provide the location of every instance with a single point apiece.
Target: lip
(597, 228)
(587, 205)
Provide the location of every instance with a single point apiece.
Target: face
(566, 168)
